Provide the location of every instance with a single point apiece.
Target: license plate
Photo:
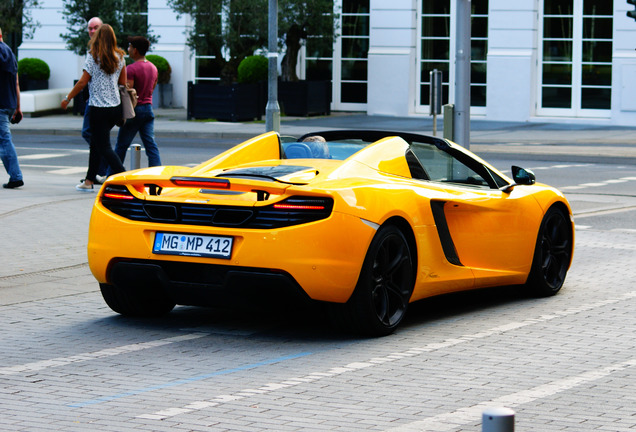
(193, 245)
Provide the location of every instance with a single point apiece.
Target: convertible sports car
(364, 221)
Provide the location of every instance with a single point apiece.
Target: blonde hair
(103, 47)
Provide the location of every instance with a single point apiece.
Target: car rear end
(201, 239)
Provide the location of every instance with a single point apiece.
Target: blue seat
(297, 151)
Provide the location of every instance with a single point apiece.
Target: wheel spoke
(381, 303)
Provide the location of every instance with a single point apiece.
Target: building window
(478, 53)
(577, 55)
(355, 48)
(436, 44)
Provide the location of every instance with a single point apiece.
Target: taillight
(117, 192)
(315, 205)
(298, 207)
(212, 183)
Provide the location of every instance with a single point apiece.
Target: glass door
(437, 51)
(351, 56)
(576, 58)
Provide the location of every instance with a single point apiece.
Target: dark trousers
(102, 120)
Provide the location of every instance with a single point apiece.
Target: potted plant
(162, 97)
(242, 100)
(33, 74)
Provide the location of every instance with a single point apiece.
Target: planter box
(304, 98)
(27, 84)
(236, 102)
(162, 96)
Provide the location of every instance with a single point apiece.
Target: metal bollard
(498, 420)
(135, 159)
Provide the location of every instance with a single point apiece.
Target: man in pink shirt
(142, 76)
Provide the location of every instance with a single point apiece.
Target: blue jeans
(86, 134)
(144, 123)
(7, 150)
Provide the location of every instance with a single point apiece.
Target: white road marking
(68, 171)
(42, 156)
(598, 184)
(449, 421)
(415, 351)
(108, 352)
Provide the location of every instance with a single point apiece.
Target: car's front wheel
(385, 284)
(552, 255)
(139, 302)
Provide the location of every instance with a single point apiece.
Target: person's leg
(125, 136)
(7, 150)
(86, 134)
(111, 116)
(98, 134)
(147, 134)
(86, 127)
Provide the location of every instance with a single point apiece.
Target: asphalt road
(67, 362)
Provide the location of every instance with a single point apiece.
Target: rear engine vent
(161, 212)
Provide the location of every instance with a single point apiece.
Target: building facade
(531, 60)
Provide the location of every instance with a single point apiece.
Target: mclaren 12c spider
(364, 221)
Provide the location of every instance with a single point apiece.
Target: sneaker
(100, 179)
(83, 187)
(13, 184)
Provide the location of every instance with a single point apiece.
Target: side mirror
(523, 176)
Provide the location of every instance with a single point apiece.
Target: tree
(17, 23)
(127, 17)
(311, 21)
(230, 30)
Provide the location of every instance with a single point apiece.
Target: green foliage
(243, 32)
(246, 30)
(253, 69)
(310, 21)
(16, 21)
(125, 16)
(163, 67)
(33, 68)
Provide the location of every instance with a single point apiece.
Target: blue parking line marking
(186, 380)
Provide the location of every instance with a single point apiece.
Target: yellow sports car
(365, 221)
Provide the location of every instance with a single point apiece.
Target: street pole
(461, 120)
(272, 111)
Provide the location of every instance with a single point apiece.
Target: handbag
(128, 98)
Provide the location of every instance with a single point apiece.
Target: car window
(441, 166)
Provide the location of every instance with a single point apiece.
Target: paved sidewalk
(547, 139)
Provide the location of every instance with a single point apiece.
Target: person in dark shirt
(9, 113)
(142, 76)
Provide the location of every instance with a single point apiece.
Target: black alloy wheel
(553, 253)
(385, 284)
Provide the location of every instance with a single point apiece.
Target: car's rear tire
(385, 284)
(136, 302)
(552, 254)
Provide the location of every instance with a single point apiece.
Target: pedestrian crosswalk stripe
(70, 170)
(42, 156)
